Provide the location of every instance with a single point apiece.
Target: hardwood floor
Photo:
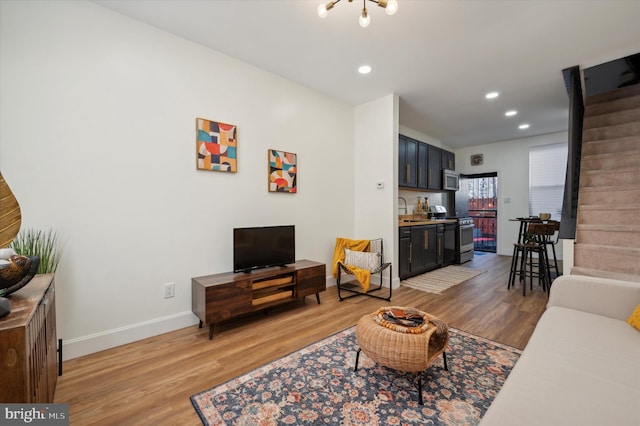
(149, 382)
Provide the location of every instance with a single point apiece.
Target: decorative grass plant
(32, 242)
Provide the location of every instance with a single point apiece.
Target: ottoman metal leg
(357, 358)
(420, 388)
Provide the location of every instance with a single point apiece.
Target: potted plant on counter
(43, 244)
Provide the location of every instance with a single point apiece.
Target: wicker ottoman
(395, 343)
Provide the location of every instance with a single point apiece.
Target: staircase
(607, 240)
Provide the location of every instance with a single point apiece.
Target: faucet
(405, 204)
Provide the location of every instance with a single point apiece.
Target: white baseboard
(85, 345)
(74, 348)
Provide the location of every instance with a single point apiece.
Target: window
(547, 171)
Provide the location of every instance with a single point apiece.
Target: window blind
(547, 170)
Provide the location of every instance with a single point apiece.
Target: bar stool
(532, 242)
(553, 234)
(518, 250)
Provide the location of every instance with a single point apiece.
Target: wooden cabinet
(407, 162)
(219, 297)
(418, 251)
(423, 165)
(28, 344)
(448, 160)
(419, 247)
(435, 168)
(440, 245)
(450, 244)
(404, 253)
(420, 165)
(431, 252)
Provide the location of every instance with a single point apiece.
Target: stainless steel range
(465, 239)
(464, 233)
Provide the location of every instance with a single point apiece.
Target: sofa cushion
(577, 369)
(634, 318)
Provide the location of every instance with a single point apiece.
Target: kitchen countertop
(410, 221)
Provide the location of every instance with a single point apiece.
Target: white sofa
(582, 363)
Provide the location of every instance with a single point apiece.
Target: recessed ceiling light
(364, 69)
(511, 113)
(523, 126)
(492, 95)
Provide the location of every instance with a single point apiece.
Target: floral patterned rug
(317, 385)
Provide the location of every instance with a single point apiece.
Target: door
(482, 190)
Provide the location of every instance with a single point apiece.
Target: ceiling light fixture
(390, 6)
(364, 69)
(523, 126)
(511, 113)
(492, 95)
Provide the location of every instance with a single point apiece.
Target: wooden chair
(553, 233)
(353, 287)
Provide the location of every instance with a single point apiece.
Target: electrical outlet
(169, 290)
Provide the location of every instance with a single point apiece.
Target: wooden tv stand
(216, 298)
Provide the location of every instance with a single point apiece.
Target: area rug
(317, 385)
(441, 279)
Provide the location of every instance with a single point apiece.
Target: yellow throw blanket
(362, 275)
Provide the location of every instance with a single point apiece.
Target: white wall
(376, 157)
(510, 159)
(97, 142)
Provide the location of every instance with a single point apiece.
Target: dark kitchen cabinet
(440, 245)
(449, 244)
(423, 165)
(420, 165)
(448, 160)
(434, 176)
(408, 160)
(419, 247)
(422, 249)
(404, 257)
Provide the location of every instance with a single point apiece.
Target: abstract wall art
(283, 171)
(216, 146)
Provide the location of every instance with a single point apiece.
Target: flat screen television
(263, 247)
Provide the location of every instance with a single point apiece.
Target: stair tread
(621, 140)
(624, 154)
(601, 247)
(579, 270)
(628, 102)
(608, 207)
(612, 126)
(621, 93)
(609, 188)
(616, 170)
(608, 228)
(614, 190)
(627, 114)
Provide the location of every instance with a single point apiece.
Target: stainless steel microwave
(450, 180)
